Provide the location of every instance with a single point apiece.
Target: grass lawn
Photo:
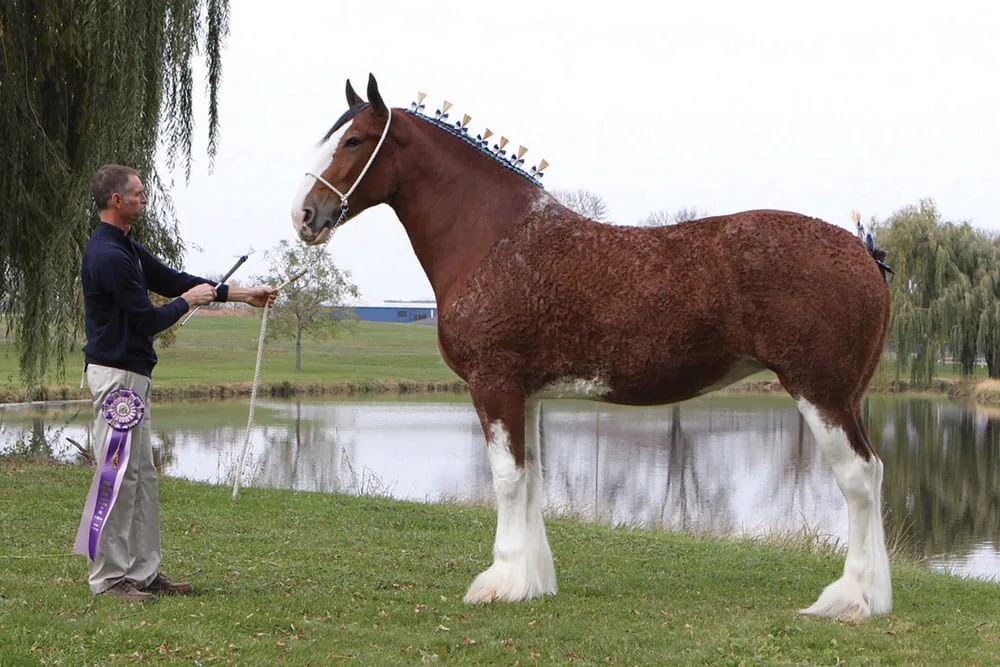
(315, 579)
(215, 356)
(213, 352)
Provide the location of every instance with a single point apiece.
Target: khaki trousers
(129, 546)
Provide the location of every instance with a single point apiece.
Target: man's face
(132, 204)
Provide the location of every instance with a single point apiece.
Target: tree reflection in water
(942, 472)
(713, 465)
(706, 467)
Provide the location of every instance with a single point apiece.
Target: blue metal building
(420, 312)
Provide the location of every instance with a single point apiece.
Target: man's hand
(262, 296)
(255, 296)
(199, 295)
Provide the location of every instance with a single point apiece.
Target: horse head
(346, 179)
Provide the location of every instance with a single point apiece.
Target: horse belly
(593, 388)
(652, 386)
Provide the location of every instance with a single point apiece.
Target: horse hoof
(482, 596)
(499, 583)
(849, 614)
(845, 600)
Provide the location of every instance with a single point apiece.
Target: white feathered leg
(865, 588)
(522, 560)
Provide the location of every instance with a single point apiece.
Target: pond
(735, 464)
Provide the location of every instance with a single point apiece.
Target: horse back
(654, 315)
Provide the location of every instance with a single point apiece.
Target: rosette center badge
(123, 409)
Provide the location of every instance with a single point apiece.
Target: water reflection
(742, 465)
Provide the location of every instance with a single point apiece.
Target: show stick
(231, 271)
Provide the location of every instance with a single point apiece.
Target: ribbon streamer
(123, 410)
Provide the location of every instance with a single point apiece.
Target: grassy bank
(315, 579)
(214, 357)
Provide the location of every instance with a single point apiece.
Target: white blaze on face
(324, 156)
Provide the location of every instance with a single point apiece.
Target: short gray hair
(108, 180)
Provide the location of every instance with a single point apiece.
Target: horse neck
(455, 203)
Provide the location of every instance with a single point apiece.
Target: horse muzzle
(315, 227)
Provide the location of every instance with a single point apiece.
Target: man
(120, 528)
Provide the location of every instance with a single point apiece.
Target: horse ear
(353, 99)
(373, 96)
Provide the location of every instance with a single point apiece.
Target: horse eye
(352, 142)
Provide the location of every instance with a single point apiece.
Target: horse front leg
(522, 566)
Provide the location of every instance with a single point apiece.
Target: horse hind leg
(865, 588)
(522, 567)
(544, 564)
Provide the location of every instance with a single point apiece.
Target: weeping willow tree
(911, 239)
(945, 293)
(83, 84)
(969, 297)
(989, 317)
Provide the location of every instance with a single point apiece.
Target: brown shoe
(127, 591)
(164, 586)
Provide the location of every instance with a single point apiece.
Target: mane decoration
(868, 241)
(459, 129)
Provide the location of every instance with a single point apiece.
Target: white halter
(344, 195)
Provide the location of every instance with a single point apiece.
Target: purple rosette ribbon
(123, 409)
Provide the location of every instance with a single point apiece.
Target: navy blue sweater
(121, 320)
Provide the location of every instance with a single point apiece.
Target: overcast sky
(722, 106)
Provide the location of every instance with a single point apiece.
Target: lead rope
(253, 391)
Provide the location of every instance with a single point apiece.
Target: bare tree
(586, 203)
(664, 217)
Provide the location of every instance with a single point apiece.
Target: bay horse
(536, 301)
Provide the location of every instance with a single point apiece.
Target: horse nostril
(308, 214)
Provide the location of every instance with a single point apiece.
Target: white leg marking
(537, 539)
(865, 588)
(522, 560)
